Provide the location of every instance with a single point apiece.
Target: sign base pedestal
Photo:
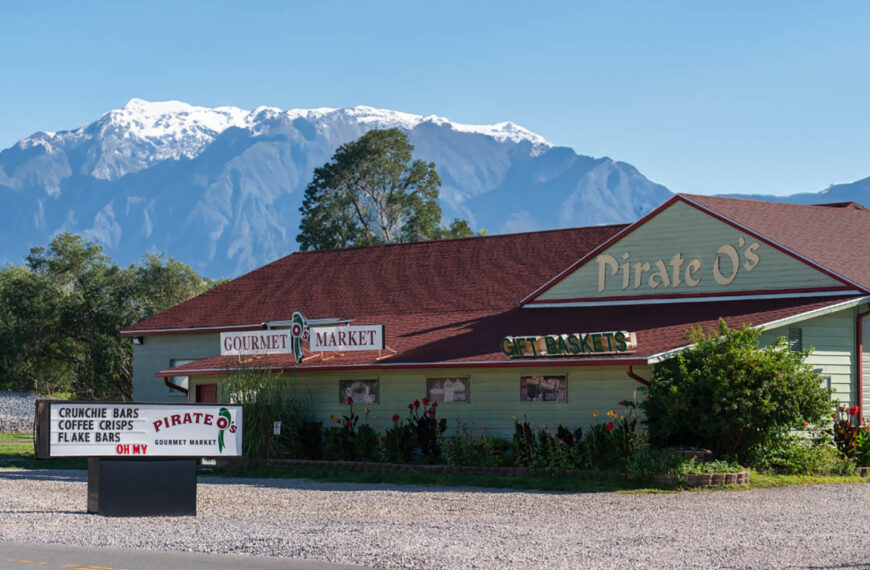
(126, 487)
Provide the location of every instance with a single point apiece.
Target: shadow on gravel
(31, 475)
(343, 487)
(863, 565)
(45, 512)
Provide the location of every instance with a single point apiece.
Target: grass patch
(16, 451)
(16, 444)
(768, 481)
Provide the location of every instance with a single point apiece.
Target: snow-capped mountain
(220, 188)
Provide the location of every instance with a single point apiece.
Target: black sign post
(127, 487)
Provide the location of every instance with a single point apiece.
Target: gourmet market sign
(98, 429)
(345, 338)
(573, 344)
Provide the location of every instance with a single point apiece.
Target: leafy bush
(650, 461)
(845, 430)
(862, 447)
(607, 445)
(480, 450)
(265, 399)
(310, 435)
(728, 394)
(398, 444)
(427, 428)
(800, 455)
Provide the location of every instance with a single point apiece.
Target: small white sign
(277, 428)
(95, 429)
(257, 342)
(347, 338)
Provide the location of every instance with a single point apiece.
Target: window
(359, 391)
(180, 381)
(543, 389)
(447, 389)
(795, 339)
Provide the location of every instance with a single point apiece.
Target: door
(206, 393)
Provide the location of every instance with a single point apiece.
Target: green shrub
(427, 428)
(398, 443)
(650, 461)
(728, 394)
(845, 430)
(862, 447)
(265, 399)
(481, 450)
(800, 455)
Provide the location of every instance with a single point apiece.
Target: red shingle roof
(836, 236)
(489, 274)
(472, 338)
(450, 302)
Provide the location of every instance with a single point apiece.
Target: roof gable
(683, 251)
(489, 273)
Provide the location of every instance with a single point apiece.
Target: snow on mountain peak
(142, 132)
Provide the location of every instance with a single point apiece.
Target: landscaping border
(691, 479)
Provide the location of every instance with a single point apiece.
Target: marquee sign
(574, 344)
(99, 429)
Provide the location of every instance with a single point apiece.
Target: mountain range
(220, 188)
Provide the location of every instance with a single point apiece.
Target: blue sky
(703, 97)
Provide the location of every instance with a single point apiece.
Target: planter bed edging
(692, 479)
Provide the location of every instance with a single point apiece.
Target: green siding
(832, 338)
(494, 395)
(694, 234)
(156, 354)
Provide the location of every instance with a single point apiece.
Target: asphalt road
(18, 556)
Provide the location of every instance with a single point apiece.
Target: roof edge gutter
(656, 358)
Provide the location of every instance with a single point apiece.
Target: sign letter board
(121, 429)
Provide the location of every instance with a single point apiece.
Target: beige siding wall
(156, 354)
(494, 395)
(832, 338)
(695, 235)
(866, 362)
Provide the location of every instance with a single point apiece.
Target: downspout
(630, 371)
(860, 361)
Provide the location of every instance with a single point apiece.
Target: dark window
(795, 340)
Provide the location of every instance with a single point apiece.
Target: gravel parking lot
(16, 411)
(426, 527)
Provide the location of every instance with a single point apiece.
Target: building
(502, 326)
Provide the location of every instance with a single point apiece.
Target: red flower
(349, 400)
(853, 411)
(349, 424)
(425, 402)
(431, 412)
(484, 428)
(609, 426)
(411, 405)
(434, 404)
(395, 418)
(416, 404)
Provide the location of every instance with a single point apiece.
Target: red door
(206, 393)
